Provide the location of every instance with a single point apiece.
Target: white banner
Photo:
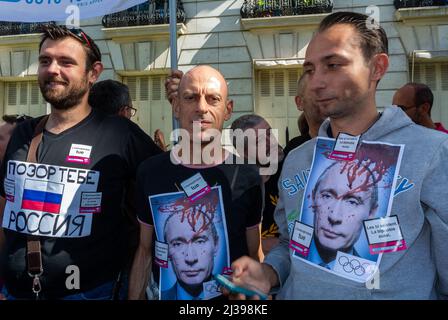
(50, 201)
(60, 10)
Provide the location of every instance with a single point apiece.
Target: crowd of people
(353, 208)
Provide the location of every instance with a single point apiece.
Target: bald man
(416, 100)
(201, 105)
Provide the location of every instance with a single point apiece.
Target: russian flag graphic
(42, 196)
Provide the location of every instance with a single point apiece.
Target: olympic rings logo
(211, 287)
(354, 266)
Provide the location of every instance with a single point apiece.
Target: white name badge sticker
(79, 153)
(345, 147)
(384, 235)
(161, 254)
(90, 202)
(195, 187)
(10, 188)
(301, 237)
(211, 289)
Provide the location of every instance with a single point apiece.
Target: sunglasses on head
(85, 39)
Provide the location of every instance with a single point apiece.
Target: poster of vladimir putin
(342, 196)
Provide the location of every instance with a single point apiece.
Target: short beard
(66, 100)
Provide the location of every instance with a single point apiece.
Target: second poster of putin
(192, 244)
(346, 223)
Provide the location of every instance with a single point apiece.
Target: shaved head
(202, 101)
(207, 75)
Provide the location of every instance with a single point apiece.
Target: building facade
(258, 45)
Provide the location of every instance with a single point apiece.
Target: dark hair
(246, 121)
(15, 118)
(109, 96)
(372, 39)
(243, 123)
(55, 32)
(422, 94)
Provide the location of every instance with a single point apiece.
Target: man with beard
(65, 176)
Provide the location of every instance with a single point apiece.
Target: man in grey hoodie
(344, 63)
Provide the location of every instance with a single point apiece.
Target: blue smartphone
(248, 291)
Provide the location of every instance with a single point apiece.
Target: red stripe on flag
(41, 206)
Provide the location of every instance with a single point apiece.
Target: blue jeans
(102, 292)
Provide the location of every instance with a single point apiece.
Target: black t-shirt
(295, 142)
(99, 155)
(240, 188)
(269, 228)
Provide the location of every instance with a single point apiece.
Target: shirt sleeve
(434, 197)
(278, 258)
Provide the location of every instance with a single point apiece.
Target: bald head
(202, 101)
(416, 100)
(207, 77)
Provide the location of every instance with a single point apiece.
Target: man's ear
(122, 111)
(229, 109)
(299, 103)
(95, 73)
(380, 65)
(424, 107)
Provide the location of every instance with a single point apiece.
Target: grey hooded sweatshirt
(420, 202)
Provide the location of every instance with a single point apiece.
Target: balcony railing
(419, 3)
(149, 13)
(272, 8)
(15, 28)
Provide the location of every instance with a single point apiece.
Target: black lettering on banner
(32, 168)
(40, 222)
(11, 167)
(12, 218)
(28, 223)
(70, 174)
(62, 170)
(81, 177)
(66, 223)
(40, 169)
(90, 177)
(21, 169)
(22, 221)
(21, 214)
(79, 225)
(51, 172)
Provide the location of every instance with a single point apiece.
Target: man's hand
(172, 84)
(250, 272)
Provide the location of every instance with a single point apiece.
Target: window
(153, 109)
(435, 75)
(24, 97)
(275, 92)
